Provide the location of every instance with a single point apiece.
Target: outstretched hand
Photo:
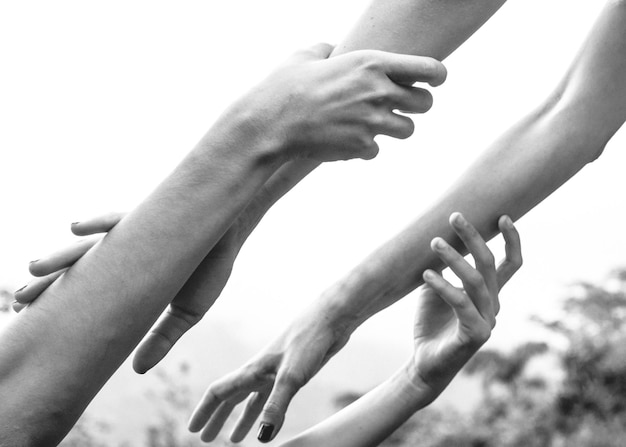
(186, 309)
(452, 323)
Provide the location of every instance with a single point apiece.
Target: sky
(100, 100)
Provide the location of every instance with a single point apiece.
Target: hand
(46, 270)
(186, 309)
(271, 379)
(451, 324)
(331, 109)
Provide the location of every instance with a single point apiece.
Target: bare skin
(526, 164)
(118, 289)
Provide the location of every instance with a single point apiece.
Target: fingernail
(508, 222)
(429, 274)
(20, 289)
(17, 306)
(440, 243)
(458, 219)
(32, 262)
(75, 223)
(265, 432)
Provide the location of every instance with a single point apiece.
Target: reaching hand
(451, 323)
(270, 380)
(186, 309)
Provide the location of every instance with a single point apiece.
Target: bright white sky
(99, 100)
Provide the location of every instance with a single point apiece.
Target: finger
(407, 69)
(254, 406)
(217, 421)
(396, 126)
(411, 99)
(477, 247)
(273, 414)
(66, 257)
(462, 306)
(513, 260)
(242, 381)
(472, 280)
(99, 224)
(369, 151)
(18, 307)
(160, 340)
(36, 287)
(315, 52)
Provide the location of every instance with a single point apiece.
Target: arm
(60, 351)
(524, 166)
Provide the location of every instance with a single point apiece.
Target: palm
(436, 335)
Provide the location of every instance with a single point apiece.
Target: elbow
(571, 125)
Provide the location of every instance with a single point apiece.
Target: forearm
(525, 165)
(59, 352)
(432, 28)
(370, 419)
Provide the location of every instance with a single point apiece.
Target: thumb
(273, 414)
(316, 52)
(168, 330)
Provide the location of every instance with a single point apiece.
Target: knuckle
(488, 260)
(369, 60)
(475, 280)
(272, 408)
(259, 373)
(496, 308)
(380, 94)
(364, 141)
(213, 392)
(481, 334)
(408, 128)
(370, 152)
(437, 68)
(426, 101)
(292, 380)
(375, 119)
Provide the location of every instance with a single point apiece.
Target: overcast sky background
(100, 100)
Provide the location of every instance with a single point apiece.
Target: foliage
(6, 298)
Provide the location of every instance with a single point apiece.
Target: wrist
(249, 133)
(414, 393)
(415, 389)
(357, 296)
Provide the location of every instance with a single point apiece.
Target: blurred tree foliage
(174, 401)
(585, 408)
(6, 298)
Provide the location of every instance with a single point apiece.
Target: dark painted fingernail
(265, 432)
(20, 289)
